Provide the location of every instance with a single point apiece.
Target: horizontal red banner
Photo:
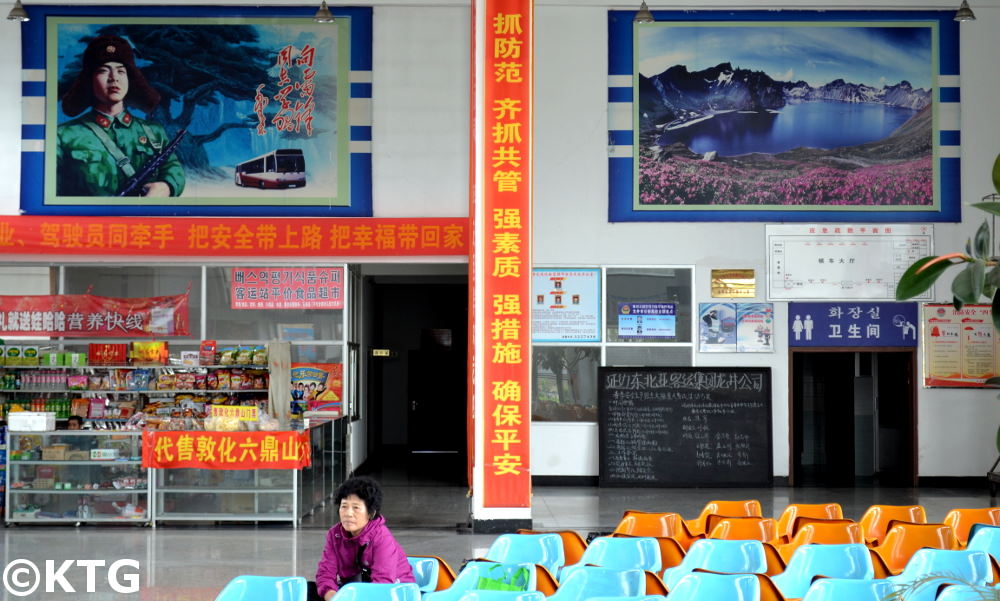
(233, 236)
(76, 315)
(283, 450)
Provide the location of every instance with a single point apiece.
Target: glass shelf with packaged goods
(177, 366)
(77, 476)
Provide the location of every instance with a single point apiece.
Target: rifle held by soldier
(139, 179)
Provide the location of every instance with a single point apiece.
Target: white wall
(420, 117)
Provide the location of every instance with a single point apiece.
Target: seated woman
(360, 548)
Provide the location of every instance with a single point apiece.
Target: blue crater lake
(819, 124)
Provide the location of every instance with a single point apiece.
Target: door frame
(911, 393)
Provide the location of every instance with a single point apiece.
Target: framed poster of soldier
(196, 111)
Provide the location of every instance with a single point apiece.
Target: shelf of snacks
(76, 476)
(118, 380)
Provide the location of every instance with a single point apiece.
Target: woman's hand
(329, 595)
(156, 189)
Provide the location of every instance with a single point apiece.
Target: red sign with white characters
(86, 315)
(287, 288)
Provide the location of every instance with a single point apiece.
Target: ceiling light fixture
(323, 15)
(964, 13)
(643, 15)
(19, 14)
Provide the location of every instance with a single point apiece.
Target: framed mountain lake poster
(784, 116)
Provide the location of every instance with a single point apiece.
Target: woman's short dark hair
(366, 489)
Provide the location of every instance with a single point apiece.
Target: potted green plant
(979, 278)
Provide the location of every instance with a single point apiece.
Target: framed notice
(755, 327)
(225, 111)
(647, 319)
(843, 262)
(959, 347)
(736, 328)
(566, 305)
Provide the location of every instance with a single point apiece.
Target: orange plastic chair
(654, 584)
(961, 521)
(737, 509)
(775, 562)
(671, 551)
(655, 525)
(647, 523)
(753, 528)
(904, 539)
(545, 582)
(573, 543)
(875, 521)
(829, 532)
(827, 511)
(446, 575)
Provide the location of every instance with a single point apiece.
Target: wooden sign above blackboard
(685, 426)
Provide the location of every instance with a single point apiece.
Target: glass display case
(224, 495)
(264, 495)
(76, 476)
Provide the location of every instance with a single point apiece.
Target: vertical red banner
(506, 241)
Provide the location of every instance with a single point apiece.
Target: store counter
(307, 467)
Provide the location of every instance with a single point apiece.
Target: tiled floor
(194, 563)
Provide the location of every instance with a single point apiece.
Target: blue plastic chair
(543, 549)
(588, 582)
(639, 553)
(641, 598)
(833, 561)
(502, 596)
(264, 588)
(425, 572)
(378, 591)
(706, 586)
(841, 589)
(964, 592)
(468, 579)
(976, 528)
(946, 567)
(985, 538)
(718, 555)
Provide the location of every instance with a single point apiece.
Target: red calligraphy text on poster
(260, 102)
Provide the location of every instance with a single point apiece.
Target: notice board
(685, 426)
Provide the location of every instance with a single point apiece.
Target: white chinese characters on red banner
(83, 315)
(287, 288)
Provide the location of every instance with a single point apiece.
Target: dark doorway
(853, 418)
(417, 380)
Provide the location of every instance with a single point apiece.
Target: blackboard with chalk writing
(685, 426)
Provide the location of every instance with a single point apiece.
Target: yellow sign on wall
(733, 283)
(248, 413)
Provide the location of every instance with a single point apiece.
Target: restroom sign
(852, 324)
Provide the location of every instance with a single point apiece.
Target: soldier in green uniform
(98, 152)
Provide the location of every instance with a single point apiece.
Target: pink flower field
(685, 181)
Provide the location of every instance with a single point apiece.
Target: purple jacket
(382, 554)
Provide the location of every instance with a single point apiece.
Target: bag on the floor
(517, 581)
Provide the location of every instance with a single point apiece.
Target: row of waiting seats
(719, 557)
